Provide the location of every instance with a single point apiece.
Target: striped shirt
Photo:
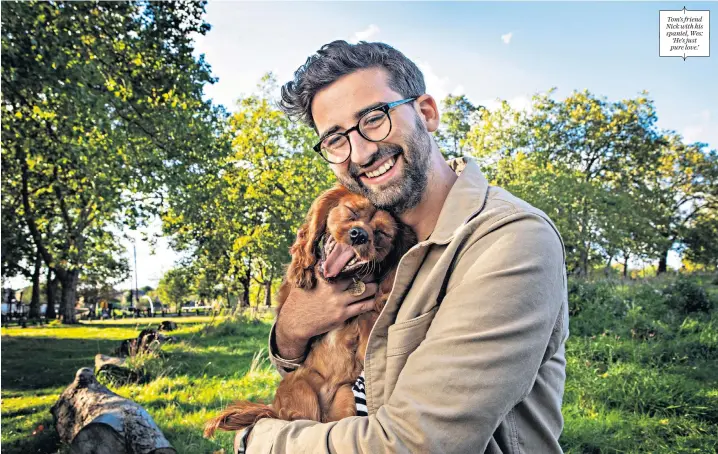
(360, 396)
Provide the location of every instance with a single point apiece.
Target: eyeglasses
(374, 126)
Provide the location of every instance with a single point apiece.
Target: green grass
(196, 378)
(642, 373)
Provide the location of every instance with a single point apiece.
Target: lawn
(199, 375)
(642, 372)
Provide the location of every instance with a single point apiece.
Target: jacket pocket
(402, 339)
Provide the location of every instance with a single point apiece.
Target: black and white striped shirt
(360, 396)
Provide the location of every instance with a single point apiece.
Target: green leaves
(614, 184)
(457, 116)
(240, 223)
(102, 117)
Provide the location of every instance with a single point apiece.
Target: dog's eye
(378, 233)
(353, 213)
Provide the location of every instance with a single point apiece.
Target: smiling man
(468, 354)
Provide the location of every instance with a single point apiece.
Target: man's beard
(406, 191)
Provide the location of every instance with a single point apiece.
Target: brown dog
(343, 235)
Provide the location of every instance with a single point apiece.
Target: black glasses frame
(385, 108)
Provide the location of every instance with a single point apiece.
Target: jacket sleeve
(481, 355)
(283, 366)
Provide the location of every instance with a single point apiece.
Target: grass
(196, 378)
(642, 372)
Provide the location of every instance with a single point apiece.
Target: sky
(485, 50)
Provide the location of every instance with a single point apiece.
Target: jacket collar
(465, 200)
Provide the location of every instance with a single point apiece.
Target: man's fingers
(360, 307)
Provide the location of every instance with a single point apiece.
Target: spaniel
(343, 235)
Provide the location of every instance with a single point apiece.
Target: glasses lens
(375, 125)
(335, 148)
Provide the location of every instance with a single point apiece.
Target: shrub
(687, 296)
(594, 307)
(642, 326)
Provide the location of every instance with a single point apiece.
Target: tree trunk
(268, 292)
(51, 291)
(583, 262)
(93, 419)
(35, 299)
(625, 265)
(69, 295)
(584, 240)
(607, 269)
(117, 370)
(663, 262)
(246, 281)
(103, 360)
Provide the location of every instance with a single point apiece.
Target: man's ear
(429, 112)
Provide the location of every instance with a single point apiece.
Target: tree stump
(116, 371)
(94, 420)
(168, 325)
(101, 360)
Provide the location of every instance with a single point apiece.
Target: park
(110, 141)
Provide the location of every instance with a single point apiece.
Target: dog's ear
(304, 250)
(404, 240)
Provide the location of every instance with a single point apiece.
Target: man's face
(405, 152)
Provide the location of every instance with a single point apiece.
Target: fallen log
(147, 341)
(114, 370)
(92, 419)
(167, 325)
(101, 360)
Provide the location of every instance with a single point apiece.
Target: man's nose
(362, 149)
(358, 236)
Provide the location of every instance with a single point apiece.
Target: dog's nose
(358, 236)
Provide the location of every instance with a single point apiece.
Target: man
(468, 354)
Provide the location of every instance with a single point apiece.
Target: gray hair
(340, 58)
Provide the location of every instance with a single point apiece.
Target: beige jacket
(468, 354)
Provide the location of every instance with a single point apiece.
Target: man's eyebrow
(357, 115)
(361, 113)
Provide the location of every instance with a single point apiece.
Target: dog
(343, 235)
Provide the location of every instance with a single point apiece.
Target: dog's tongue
(337, 259)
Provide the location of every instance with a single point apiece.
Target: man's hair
(340, 58)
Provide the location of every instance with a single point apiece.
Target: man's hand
(309, 313)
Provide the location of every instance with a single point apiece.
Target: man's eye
(333, 141)
(374, 120)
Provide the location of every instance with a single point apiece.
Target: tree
(457, 117)
(173, 288)
(240, 223)
(105, 268)
(701, 240)
(684, 188)
(580, 160)
(102, 116)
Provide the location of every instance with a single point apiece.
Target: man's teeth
(382, 170)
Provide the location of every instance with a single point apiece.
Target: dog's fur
(321, 389)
